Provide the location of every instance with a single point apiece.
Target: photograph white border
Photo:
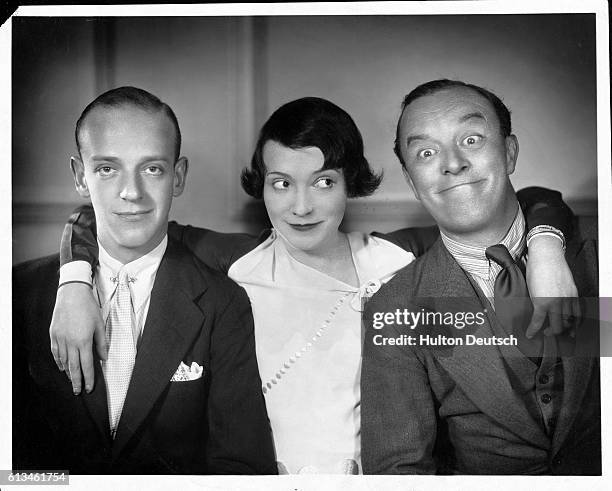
(358, 8)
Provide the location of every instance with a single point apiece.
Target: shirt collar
(143, 270)
(472, 258)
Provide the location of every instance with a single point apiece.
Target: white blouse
(308, 342)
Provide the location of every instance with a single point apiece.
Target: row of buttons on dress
(298, 354)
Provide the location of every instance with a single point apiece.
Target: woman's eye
(324, 183)
(281, 184)
(425, 154)
(472, 140)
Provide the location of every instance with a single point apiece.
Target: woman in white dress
(306, 280)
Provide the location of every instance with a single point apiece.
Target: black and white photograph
(333, 246)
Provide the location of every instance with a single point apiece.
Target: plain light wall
(223, 76)
(542, 66)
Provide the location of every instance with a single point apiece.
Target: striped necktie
(122, 352)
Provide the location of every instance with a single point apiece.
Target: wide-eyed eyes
(422, 153)
(472, 141)
(426, 153)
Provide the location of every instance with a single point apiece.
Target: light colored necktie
(122, 352)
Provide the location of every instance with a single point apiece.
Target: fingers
(62, 356)
(555, 319)
(562, 313)
(537, 319)
(56, 354)
(100, 340)
(74, 370)
(87, 367)
(568, 318)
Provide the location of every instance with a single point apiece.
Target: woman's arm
(540, 206)
(549, 279)
(77, 321)
(217, 250)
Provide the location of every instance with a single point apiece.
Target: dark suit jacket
(455, 409)
(216, 424)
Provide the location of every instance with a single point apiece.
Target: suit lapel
(478, 370)
(173, 321)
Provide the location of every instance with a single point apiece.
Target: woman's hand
(76, 323)
(552, 288)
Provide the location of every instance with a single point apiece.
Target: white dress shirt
(141, 273)
(473, 259)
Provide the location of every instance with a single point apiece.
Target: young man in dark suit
(436, 403)
(179, 391)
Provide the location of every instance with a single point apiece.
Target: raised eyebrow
(474, 115)
(413, 138)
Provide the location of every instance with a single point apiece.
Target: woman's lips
(303, 227)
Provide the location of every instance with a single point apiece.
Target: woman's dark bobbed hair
(315, 122)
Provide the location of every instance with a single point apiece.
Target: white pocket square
(186, 373)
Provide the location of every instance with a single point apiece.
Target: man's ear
(180, 176)
(410, 183)
(78, 171)
(512, 150)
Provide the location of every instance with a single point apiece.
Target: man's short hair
(315, 122)
(130, 96)
(428, 88)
